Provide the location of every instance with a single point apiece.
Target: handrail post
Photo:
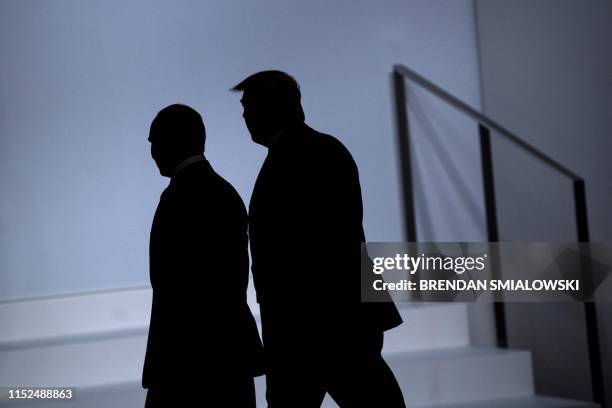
(488, 183)
(590, 308)
(403, 139)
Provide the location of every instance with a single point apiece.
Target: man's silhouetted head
(271, 102)
(176, 133)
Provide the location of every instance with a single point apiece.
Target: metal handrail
(484, 120)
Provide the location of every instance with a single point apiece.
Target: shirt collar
(187, 162)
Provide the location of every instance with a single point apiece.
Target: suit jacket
(199, 273)
(305, 227)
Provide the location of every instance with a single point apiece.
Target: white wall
(546, 76)
(80, 82)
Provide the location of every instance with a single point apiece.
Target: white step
(524, 402)
(429, 326)
(81, 364)
(462, 374)
(76, 316)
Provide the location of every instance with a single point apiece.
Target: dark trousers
(372, 384)
(302, 367)
(235, 392)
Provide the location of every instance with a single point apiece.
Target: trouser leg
(363, 378)
(238, 392)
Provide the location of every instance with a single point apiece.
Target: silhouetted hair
(182, 124)
(277, 88)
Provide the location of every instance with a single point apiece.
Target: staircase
(96, 343)
(489, 131)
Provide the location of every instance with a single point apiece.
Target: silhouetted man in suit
(305, 227)
(203, 347)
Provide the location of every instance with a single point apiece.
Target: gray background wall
(80, 82)
(545, 69)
